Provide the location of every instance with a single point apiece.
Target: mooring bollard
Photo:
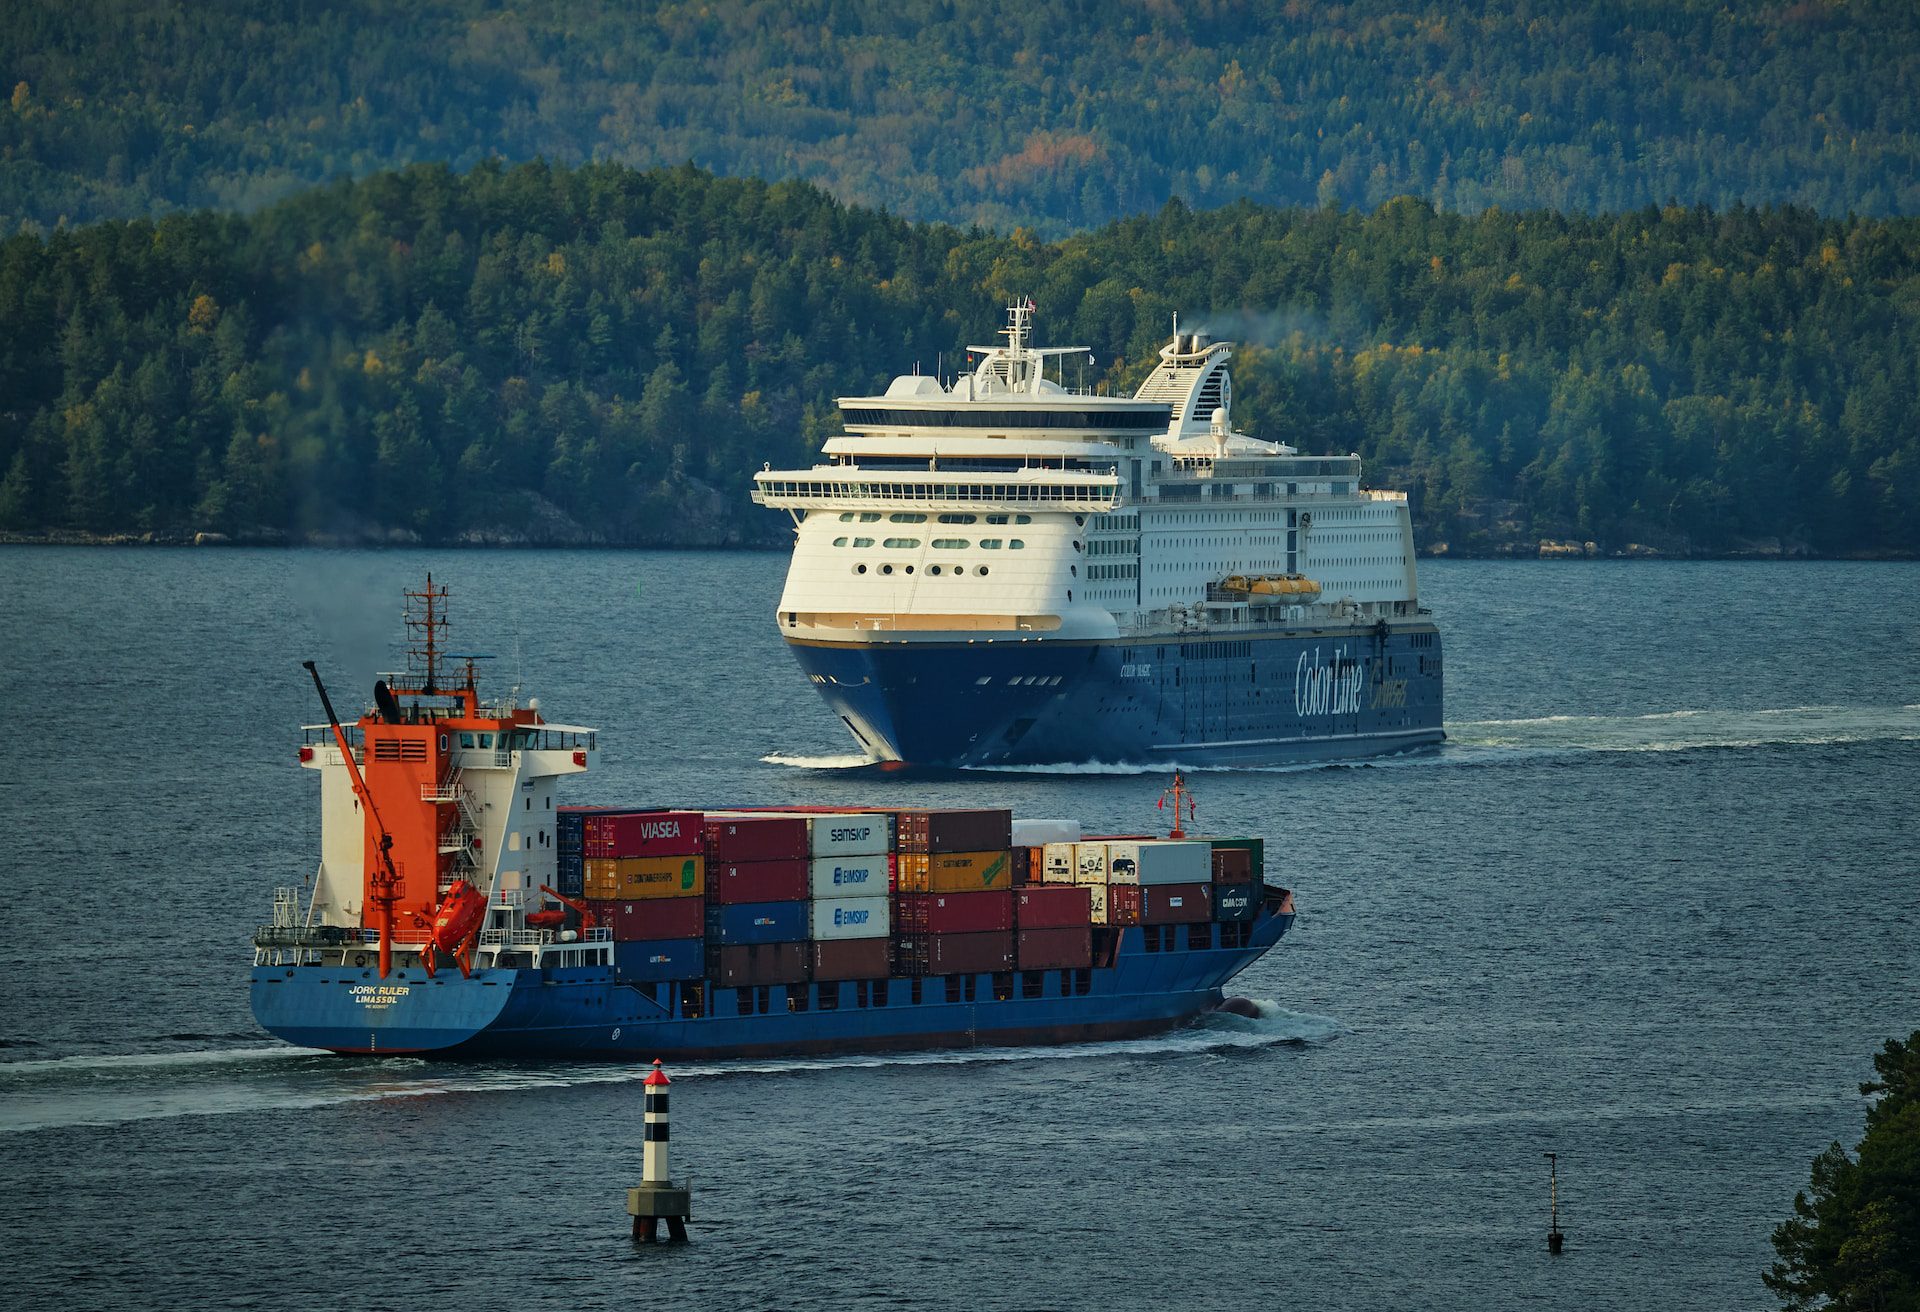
(658, 1198)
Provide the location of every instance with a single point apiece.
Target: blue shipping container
(655, 961)
(1233, 902)
(745, 923)
(570, 874)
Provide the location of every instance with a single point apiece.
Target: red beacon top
(657, 1077)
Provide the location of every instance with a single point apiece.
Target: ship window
(486, 740)
(996, 519)
(906, 518)
(859, 569)
(869, 517)
(846, 517)
(839, 542)
(466, 740)
(863, 542)
(933, 569)
(909, 569)
(1023, 519)
(950, 544)
(1015, 544)
(958, 519)
(982, 570)
(900, 543)
(990, 544)
(886, 569)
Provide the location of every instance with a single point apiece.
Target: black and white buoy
(1555, 1240)
(658, 1198)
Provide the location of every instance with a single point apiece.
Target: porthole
(859, 569)
(909, 569)
(1074, 570)
(886, 569)
(983, 571)
(933, 569)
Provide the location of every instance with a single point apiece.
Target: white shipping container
(1057, 864)
(1160, 861)
(1089, 863)
(849, 876)
(1038, 833)
(849, 835)
(852, 917)
(1098, 914)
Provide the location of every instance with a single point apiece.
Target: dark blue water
(1652, 909)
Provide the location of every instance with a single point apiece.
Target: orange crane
(386, 885)
(588, 920)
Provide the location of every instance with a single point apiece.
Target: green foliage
(443, 354)
(1057, 114)
(1853, 1244)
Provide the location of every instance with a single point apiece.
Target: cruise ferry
(1005, 570)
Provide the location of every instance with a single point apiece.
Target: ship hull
(1268, 698)
(583, 1013)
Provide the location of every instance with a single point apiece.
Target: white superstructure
(1008, 505)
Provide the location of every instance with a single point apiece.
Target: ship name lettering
(1327, 689)
(378, 995)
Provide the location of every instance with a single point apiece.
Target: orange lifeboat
(546, 918)
(458, 919)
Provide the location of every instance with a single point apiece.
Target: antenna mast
(426, 618)
(1182, 798)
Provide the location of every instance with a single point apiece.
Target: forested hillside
(1054, 114)
(599, 353)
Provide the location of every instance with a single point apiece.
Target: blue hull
(1267, 698)
(581, 1012)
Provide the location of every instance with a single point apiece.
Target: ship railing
(515, 938)
(1072, 490)
(598, 934)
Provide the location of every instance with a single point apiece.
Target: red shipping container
(620, 834)
(653, 917)
(1054, 949)
(953, 831)
(953, 913)
(1124, 904)
(1053, 906)
(852, 958)
(953, 954)
(758, 881)
(1176, 904)
(757, 838)
(761, 963)
(1232, 865)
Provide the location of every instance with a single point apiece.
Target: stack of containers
(757, 899)
(645, 877)
(1030, 839)
(570, 848)
(849, 877)
(953, 908)
(1237, 869)
(1173, 878)
(1053, 926)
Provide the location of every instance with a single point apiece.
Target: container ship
(459, 910)
(1006, 570)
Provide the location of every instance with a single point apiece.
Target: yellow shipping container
(955, 872)
(646, 876)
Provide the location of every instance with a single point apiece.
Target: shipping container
(756, 838)
(1176, 904)
(954, 872)
(643, 833)
(953, 913)
(852, 917)
(1255, 848)
(851, 958)
(1057, 864)
(1124, 904)
(1232, 902)
(1232, 865)
(953, 831)
(1090, 863)
(637, 920)
(1052, 906)
(655, 961)
(746, 965)
(570, 874)
(1053, 949)
(831, 830)
(1023, 867)
(646, 876)
(757, 922)
(1159, 861)
(1038, 833)
(952, 954)
(757, 881)
(570, 827)
(850, 876)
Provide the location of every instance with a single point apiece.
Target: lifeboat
(1290, 589)
(546, 918)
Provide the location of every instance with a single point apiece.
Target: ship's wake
(1691, 730)
(69, 1092)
